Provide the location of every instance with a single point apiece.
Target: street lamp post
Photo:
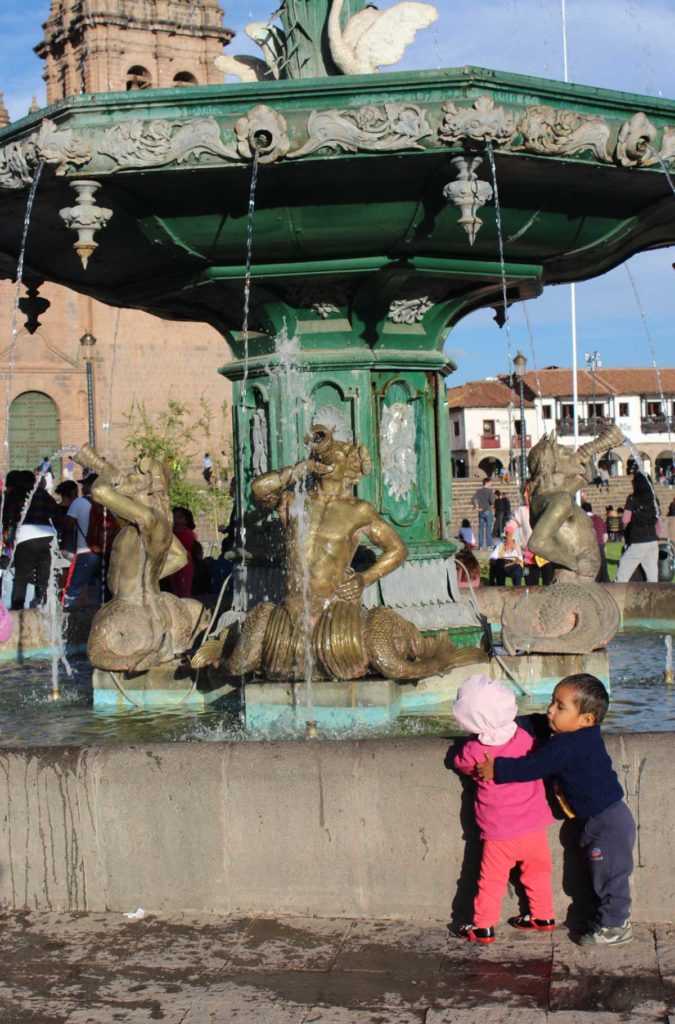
(520, 362)
(87, 341)
(593, 363)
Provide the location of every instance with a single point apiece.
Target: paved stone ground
(104, 969)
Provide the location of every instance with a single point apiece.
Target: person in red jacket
(180, 583)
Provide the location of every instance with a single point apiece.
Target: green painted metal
(304, 22)
(355, 248)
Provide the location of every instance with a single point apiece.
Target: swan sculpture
(245, 68)
(272, 42)
(373, 38)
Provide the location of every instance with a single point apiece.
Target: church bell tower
(118, 45)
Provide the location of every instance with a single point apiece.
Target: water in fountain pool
(641, 702)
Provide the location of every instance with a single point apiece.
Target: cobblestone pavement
(189, 969)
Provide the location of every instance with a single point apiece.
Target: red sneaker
(525, 923)
(473, 934)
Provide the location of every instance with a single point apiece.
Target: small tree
(174, 438)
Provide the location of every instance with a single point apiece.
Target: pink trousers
(532, 852)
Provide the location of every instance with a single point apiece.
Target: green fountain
(377, 210)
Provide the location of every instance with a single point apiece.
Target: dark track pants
(608, 840)
(32, 562)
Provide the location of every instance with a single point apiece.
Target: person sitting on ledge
(506, 560)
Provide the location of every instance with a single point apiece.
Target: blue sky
(616, 44)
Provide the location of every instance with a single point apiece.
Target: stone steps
(619, 489)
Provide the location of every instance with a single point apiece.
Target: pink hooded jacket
(488, 709)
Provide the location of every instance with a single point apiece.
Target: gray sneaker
(599, 936)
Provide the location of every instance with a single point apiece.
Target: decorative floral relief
(564, 132)
(397, 449)
(482, 122)
(409, 311)
(262, 130)
(324, 309)
(325, 299)
(259, 443)
(552, 131)
(634, 146)
(156, 143)
(371, 129)
(391, 127)
(417, 299)
(58, 147)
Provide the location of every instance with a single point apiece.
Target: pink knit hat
(486, 708)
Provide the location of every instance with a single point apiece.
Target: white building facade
(485, 417)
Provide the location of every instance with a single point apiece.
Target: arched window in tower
(138, 78)
(184, 78)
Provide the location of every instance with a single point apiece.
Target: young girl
(512, 818)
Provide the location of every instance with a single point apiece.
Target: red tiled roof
(629, 380)
(483, 394)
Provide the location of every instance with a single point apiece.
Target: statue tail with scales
(348, 642)
(570, 617)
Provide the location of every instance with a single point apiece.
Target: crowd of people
(505, 532)
(57, 535)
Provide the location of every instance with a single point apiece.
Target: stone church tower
(131, 44)
(87, 364)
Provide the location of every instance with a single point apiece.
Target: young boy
(587, 788)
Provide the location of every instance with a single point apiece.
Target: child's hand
(486, 770)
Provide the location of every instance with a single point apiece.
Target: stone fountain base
(271, 708)
(163, 687)
(336, 705)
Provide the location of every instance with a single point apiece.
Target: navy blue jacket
(576, 761)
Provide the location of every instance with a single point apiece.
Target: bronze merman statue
(321, 616)
(141, 626)
(575, 615)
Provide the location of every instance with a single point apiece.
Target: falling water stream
(15, 321)
(287, 355)
(51, 610)
(667, 173)
(296, 407)
(502, 265)
(240, 602)
(650, 342)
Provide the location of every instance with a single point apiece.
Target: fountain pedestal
(364, 704)
(173, 684)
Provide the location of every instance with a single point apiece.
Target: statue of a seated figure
(321, 617)
(141, 626)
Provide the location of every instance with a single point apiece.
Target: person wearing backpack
(86, 563)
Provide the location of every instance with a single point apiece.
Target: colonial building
(485, 416)
(87, 364)
(485, 427)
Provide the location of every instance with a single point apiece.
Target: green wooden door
(33, 431)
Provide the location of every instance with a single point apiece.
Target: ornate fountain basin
(371, 191)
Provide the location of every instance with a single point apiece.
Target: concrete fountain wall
(359, 829)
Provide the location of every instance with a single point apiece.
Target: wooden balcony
(657, 424)
(591, 426)
(515, 441)
(490, 441)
